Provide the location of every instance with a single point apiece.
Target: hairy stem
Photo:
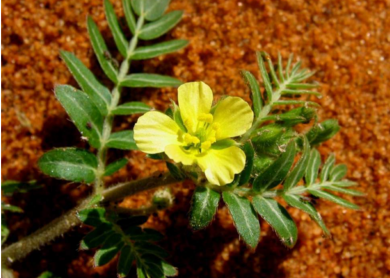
(108, 121)
(61, 225)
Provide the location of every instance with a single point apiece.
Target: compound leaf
(279, 219)
(244, 217)
(204, 206)
(71, 164)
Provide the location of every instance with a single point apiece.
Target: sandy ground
(346, 42)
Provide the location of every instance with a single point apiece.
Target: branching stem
(108, 121)
(64, 223)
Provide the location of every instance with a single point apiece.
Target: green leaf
(4, 229)
(71, 164)
(279, 219)
(265, 76)
(97, 236)
(92, 216)
(271, 68)
(327, 167)
(298, 171)
(111, 246)
(145, 247)
(138, 234)
(246, 173)
(95, 200)
(255, 92)
(295, 102)
(82, 111)
(344, 183)
(119, 38)
(125, 261)
(100, 48)
(244, 218)
(297, 202)
(140, 271)
(48, 274)
(123, 140)
(338, 172)
(142, 80)
(175, 171)
(313, 166)
(343, 190)
(223, 144)
(10, 208)
(151, 51)
(333, 198)
(277, 172)
(129, 16)
(204, 206)
(130, 108)
(160, 27)
(11, 187)
(98, 93)
(152, 9)
(115, 166)
(169, 270)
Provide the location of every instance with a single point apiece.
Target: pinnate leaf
(98, 93)
(204, 206)
(160, 27)
(151, 51)
(130, 108)
(244, 217)
(277, 171)
(115, 166)
(82, 111)
(71, 164)
(141, 80)
(101, 50)
(123, 140)
(279, 219)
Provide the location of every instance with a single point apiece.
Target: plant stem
(61, 225)
(108, 121)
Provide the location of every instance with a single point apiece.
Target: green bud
(162, 199)
(260, 163)
(297, 116)
(271, 139)
(323, 131)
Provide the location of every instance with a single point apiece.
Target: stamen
(208, 118)
(206, 145)
(189, 139)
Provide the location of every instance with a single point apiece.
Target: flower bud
(323, 131)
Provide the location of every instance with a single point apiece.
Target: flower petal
(195, 98)
(154, 131)
(179, 155)
(220, 166)
(233, 116)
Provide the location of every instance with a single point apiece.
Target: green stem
(64, 223)
(108, 121)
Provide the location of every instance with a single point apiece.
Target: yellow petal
(179, 155)
(233, 116)
(220, 166)
(195, 99)
(154, 131)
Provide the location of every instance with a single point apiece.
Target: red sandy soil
(346, 42)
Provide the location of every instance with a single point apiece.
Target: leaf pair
(117, 235)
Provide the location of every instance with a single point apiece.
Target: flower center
(204, 135)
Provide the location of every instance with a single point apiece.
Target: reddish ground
(346, 42)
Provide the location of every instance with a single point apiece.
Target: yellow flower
(203, 138)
